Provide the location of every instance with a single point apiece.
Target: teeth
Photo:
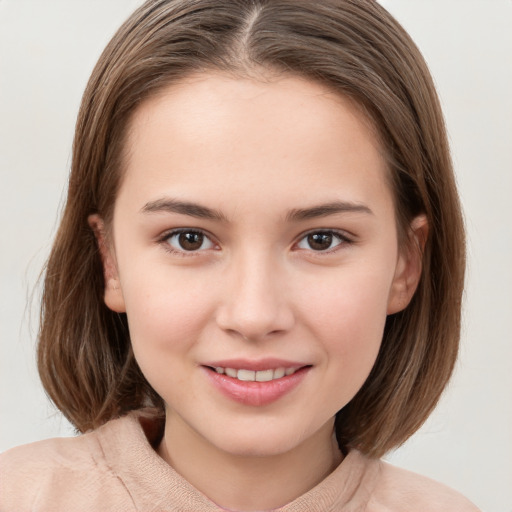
(231, 372)
(256, 376)
(280, 372)
(246, 375)
(263, 375)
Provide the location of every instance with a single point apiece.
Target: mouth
(246, 375)
(256, 384)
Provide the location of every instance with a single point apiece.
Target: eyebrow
(326, 209)
(168, 205)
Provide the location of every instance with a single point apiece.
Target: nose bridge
(255, 302)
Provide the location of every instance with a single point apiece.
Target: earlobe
(113, 294)
(409, 266)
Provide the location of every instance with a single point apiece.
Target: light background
(47, 50)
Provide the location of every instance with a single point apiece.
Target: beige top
(115, 468)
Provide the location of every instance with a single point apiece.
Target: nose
(255, 302)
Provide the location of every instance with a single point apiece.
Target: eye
(188, 240)
(321, 241)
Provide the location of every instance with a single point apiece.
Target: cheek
(354, 298)
(166, 313)
(347, 315)
(165, 324)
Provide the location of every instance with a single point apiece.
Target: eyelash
(340, 236)
(164, 240)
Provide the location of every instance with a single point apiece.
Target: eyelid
(164, 237)
(344, 237)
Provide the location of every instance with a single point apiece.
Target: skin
(255, 152)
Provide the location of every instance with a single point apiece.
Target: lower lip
(256, 393)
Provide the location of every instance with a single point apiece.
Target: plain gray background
(47, 50)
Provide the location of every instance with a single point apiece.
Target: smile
(256, 376)
(256, 383)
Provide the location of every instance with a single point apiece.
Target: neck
(244, 482)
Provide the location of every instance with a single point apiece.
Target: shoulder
(400, 490)
(55, 474)
(31, 463)
(58, 452)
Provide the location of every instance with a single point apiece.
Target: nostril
(253, 322)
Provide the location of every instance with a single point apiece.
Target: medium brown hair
(354, 47)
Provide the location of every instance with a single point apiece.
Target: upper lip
(255, 365)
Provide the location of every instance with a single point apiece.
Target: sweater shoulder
(57, 473)
(400, 490)
(61, 452)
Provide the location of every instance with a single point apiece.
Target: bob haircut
(354, 47)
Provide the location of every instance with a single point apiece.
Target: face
(254, 249)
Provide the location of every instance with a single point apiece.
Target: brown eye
(321, 241)
(189, 241)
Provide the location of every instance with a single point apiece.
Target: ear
(409, 266)
(113, 295)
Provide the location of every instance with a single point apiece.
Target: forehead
(281, 102)
(214, 130)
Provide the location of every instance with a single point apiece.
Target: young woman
(255, 289)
